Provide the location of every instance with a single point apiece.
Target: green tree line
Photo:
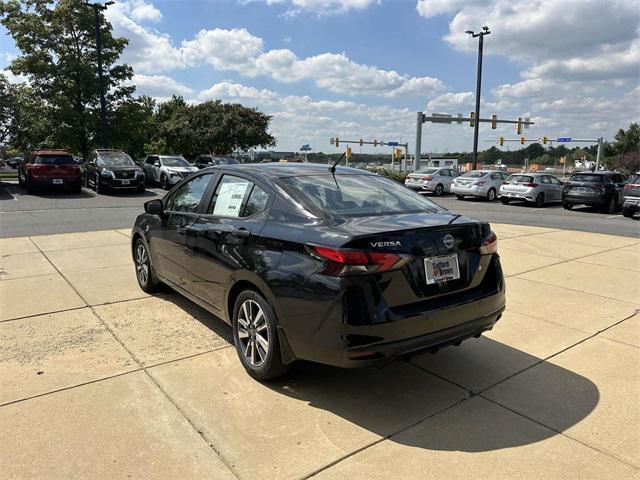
(58, 104)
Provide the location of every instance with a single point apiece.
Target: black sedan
(348, 269)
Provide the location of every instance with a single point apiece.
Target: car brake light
(505, 183)
(531, 185)
(490, 244)
(479, 183)
(343, 262)
(427, 179)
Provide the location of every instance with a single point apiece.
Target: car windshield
(635, 179)
(174, 162)
(588, 178)
(355, 195)
(475, 174)
(115, 159)
(520, 179)
(55, 160)
(427, 170)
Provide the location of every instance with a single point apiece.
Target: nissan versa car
(167, 170)
(436, 180)
(113, 170)
(596, 189)
(348, 269)
(49, 168)
(536, 188)
(479, 183)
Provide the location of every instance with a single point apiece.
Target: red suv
(44, 168)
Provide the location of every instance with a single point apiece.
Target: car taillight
(341, 262)
(505, 183)
(479, 183)
(490, 244)
(531, 185)
(427, 179)
(630, 186)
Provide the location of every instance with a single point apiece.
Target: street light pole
(97, 7)
(476, 125)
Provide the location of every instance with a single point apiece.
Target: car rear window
(635, 179)
(475, 174)
(54, 160)
(520, 179)
(355, 195)
(427, 170)
(588, 178)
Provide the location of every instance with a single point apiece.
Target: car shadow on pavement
(370, 399)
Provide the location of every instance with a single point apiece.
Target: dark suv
(45, 168)
(113, 169)
(204, 161)
(598, 189)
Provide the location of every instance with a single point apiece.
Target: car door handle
(241, 232)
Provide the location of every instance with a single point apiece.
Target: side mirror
(154, 207)
(156, 164)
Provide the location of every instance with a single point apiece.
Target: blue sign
(305, 148)
(392, 144)
(563, 139)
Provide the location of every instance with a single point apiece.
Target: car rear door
(226, 237)
(168, 241)
(556, 187)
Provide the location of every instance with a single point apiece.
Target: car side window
(187, 198)
(496, 176)
(149, 160)
(444, 173)
(237, 197)
(545, 179)
(555, 181)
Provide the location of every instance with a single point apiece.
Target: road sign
(563, 139)
(392, 144)
(442, 118)
(305, 148)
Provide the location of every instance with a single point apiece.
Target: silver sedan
(537, 188)
(479, 183)
(436, 180)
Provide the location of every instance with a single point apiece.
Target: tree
(7, 110)
(629, 140)
(59, 58)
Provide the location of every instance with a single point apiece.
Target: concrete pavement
(99, 380)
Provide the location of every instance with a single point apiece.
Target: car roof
(44, 153)
(282, 170)
(600, 172)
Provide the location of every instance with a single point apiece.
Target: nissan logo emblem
(448, 240)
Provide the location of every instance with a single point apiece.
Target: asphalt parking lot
(100, 380)
(48, 212)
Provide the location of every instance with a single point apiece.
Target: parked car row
(603, 189)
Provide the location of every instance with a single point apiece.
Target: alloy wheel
(253, 333)
(491, 196)
(142, 264)
(438, 190)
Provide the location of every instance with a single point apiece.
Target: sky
(362, 68)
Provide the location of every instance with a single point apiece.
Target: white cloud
(239, 93)
(159, 86)
(450, 101)
(138, 10)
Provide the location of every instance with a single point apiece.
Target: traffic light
(398, 153)
(521, 140)
(361, 142)
(545, 139)
(519, 126)
(375, 143)
(337, 142)
(494, 122)
(501, 140)
(472, 116)
(348, 152)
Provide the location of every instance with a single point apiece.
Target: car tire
(164, 182)
(438, 190)
(147, 279)
(567, 206)
(28, 186)
(627, 212)
(539, 202)
(491, 194)
(610, 206)
(255, 335)
(20, 181)
(141, 189)
(96, 186)
(77, 188)
(460, 197)
(505, 200)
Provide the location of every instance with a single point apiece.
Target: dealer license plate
(57, 181)
(441, 269)
(125, 182)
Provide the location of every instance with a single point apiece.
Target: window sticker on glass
(229, 197)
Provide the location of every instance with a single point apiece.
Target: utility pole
(420, 121)
(97, 7)
(480, 35)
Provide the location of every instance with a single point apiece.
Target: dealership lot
(100, 380)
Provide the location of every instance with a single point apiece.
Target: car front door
(168, 241)
(225, 239)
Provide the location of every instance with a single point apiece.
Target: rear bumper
(55, 181)
(585, 199)
(632, 204)
(327, 336)
(475, 190)
(527, 195)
